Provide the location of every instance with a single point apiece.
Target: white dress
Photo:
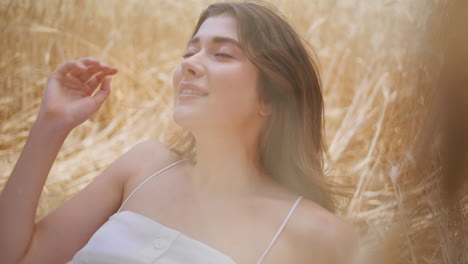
(129, 237)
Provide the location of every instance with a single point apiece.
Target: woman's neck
(226, 165)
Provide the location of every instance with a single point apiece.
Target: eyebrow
(216, 40)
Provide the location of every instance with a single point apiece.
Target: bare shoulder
(153, 149)
(78, 218)
(321, 236)
(149, 155)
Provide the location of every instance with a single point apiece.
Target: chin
(185, 119)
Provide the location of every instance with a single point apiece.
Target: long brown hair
(291, 148)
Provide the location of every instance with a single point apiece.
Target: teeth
(190, 91)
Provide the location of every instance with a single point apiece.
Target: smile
(190, 91)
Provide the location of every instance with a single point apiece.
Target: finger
(69, 81)
(85, 76)
(87, 89)
(108, 70)
(87, 62)
(73, 80)
(90, 61)
(79, 66)
(73, 86)
(106, 83)
(71, 66)
(96, 80)
(103, 92)
(81, 72)
(94, 63)
(112, 71)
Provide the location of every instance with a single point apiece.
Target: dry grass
(375, 85)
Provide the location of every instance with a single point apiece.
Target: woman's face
(215, 85)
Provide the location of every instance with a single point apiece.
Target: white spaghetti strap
(280, 229)
(149, 178)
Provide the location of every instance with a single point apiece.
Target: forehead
(222, 25)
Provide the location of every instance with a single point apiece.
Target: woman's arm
(20, 196)
(67, 102)
(59, 235)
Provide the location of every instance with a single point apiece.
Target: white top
(129, 237)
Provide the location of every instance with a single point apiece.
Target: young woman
(244, 186)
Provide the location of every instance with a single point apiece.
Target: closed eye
(187, 55)
(223, 55)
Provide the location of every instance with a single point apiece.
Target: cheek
(239, 92)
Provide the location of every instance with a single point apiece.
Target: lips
(188, 88)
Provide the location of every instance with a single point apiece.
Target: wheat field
(378, 60)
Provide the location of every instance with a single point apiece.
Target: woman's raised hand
(70, 96)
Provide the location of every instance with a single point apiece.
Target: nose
(192, 66)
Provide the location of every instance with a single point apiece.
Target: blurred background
(385, 65)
